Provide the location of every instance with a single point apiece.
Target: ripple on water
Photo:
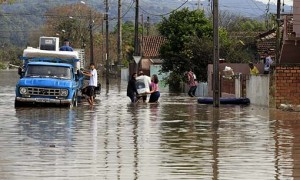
(174, 139)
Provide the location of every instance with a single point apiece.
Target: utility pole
(148, 25)
(107, 52)
(136, 33)
(102, 45)
(216, 78)
(142, 38)
(119, 44)
(278, 32)
(136, 28)
(91, 39)
(267, 14)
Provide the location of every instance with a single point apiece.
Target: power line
(165, 14)
(257, 5)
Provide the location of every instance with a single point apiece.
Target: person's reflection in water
(94, 129)
(154, 111)
(132, 108)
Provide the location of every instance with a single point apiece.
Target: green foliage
(183, 24)
(21, 19)
(235, 23)
(190, 44)
(248, 25)
(173, 80)
(202, 55)
(178, 53)
(2, 65)
(127, 41)
(127, 32)
(9, 54)
(234, 50)
(7, 1)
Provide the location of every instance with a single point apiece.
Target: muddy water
(175, 139)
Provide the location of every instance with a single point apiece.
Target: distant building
(149, 51)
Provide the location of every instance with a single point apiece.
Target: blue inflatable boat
(224, 100)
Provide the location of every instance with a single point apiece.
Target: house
(291, 38)
(266, 41)
(149, 51)
(286, 76)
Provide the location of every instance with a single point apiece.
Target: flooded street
(174, 139)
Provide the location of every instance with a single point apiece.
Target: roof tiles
(151, 45)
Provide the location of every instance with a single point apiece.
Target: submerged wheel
(71, 105)
(74, 102)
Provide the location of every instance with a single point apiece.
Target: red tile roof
(151, 45)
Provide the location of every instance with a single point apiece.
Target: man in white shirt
(267, 62)
(92, 83)
(143, 85)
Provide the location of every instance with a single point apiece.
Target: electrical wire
(130, 7)
(257, 5)
(165, 14)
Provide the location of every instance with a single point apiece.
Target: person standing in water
(131, 88)
(92, 83)
(155, 94)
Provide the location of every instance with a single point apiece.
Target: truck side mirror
(76, 77)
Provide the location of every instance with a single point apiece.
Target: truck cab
(49, 77)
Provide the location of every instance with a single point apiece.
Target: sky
(288, 2)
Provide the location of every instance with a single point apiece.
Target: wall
(125, 74)
(201, 91)
(296, 16)
(228, 86)
(155, 69)
(257, 90)
(287, 84)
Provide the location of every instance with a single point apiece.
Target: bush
(2, 66)
(175, 82)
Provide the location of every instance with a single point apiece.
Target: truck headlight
(64, 92)
(23, 90)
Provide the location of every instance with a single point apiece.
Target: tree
(9, 55)
(72, 21)
(75, 22)
(182, 29)
(190, 43)
(7, 1)
(235, 23)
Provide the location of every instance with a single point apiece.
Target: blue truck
(49, 76)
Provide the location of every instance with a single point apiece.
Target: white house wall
(257, 90)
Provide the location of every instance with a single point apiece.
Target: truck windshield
(48, 71)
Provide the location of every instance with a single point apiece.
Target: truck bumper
(44, 100)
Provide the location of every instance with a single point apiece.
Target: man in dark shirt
(66, 46)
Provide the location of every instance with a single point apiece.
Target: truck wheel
(71, 104)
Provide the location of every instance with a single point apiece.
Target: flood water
(174, 139)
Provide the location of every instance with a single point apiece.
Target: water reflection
(173, 139)
(49, 126)
(215, 138)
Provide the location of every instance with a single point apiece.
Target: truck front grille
(43, 91)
